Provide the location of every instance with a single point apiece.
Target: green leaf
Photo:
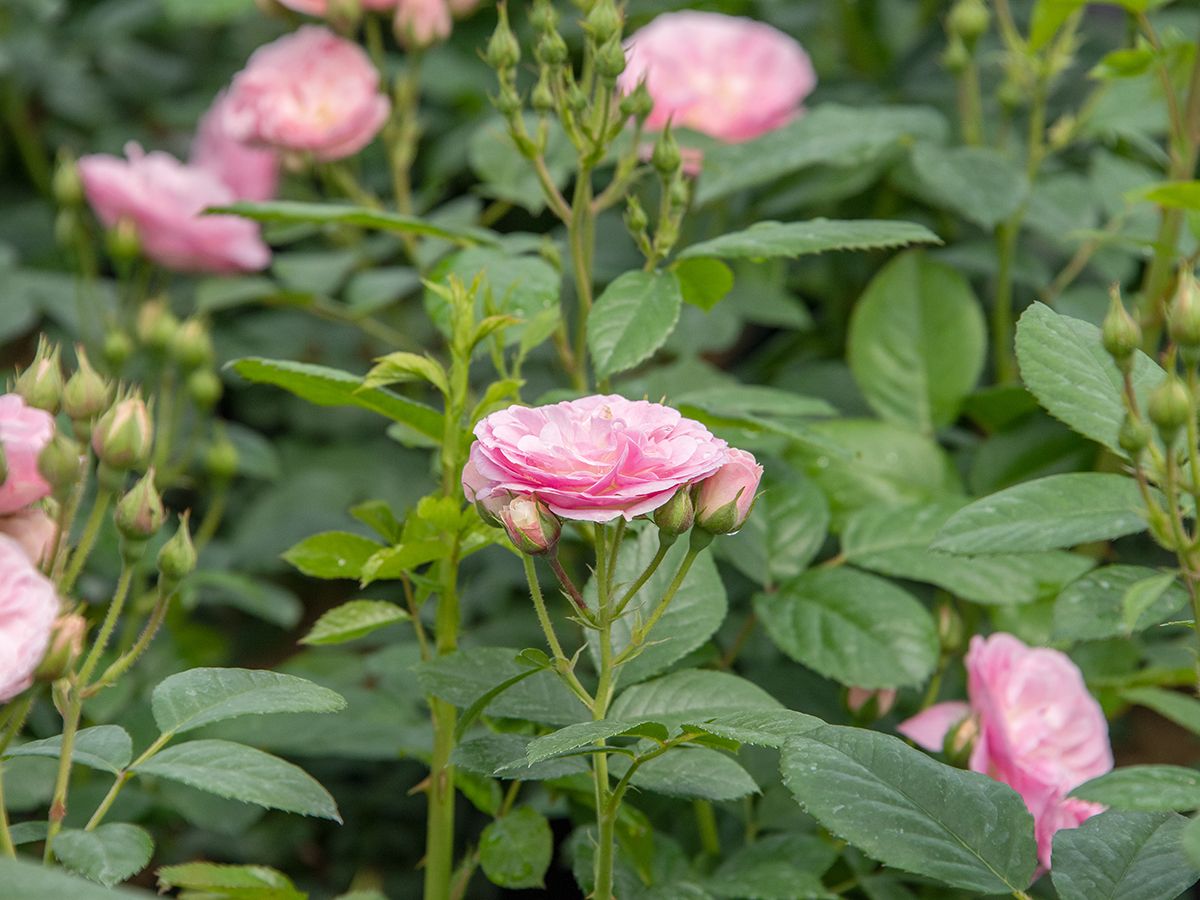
(391, 563)
(760, 728)
(1143, 596)
(1045, 514)
(583, 734)
(26, 880)
(1179, 708)
(775, 867)
(786, 531)
(28, 832)
(694, 615)
(732, 400)
(402, 366)
(505, 172)
(690, 773)
(332, 554)
(462, 677)
(290, 212)
(847, 137)
(703, 282)
(1173, 194)
(235, 882)
(1189, 839)
(631, 319)
(855, 628)
(910, 812)
(503, 756)
(1097, 606)
(897, 347)
(354, 620)
(257, 597)
(110, 854)
(982, 185)
(1064, 364)
(1144, 789)
(105, 747)
(324, 386)
(895, 541)
(516, 850)
(765, 240)
(1123, 856)
(690, 695)
(238, 772)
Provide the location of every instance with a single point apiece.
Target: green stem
(562, 664)
(970, 105)
(665, 541)
(582, 237)
(606, 814)
(706, 824)
(58, 805)
(86, 541)
(568, 585)
(121, 666)
(7, 847)
(13, 720)
(106, 629)
(212, 517)
(643, 631)
(123, 778)
(439, 849)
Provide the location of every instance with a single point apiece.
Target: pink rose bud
(869, 705)
(140, 514)
(163, 201)
(124, 435)
(307, 92)
(592, 459)
(1030, 724)
(42, 383)
(723, 501)
(24, 432)
(531, 527)
(28, 608)
(33, 530)
(251, 173)
(422, 23)
(66, 646)
(733, 79)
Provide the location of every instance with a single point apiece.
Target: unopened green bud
(640, 103)
(1120, 333)
(1134, 435)
(117, 349)
(156, 326)
(139, 516)
(205, 388)
(867, 705)
(666, 157)
(960, 741)
(542, 98)
(950, 629)
(124, 436)
(65, 648)
(636, 219)
(67, 185)
(1011, 94)
(969, 20)
(123, 241)
(603, 23)
(1170, 408)
(86, 394)
(956, 57)
(1184, 324)
(681, 194)
(221, 459)
(177, 558)
(503, 51)
(67, 227)
(192, 345)
(509, 101)
(577, 99)
(610, 60)
(676, 516)
(60, 464)
(543, 16)
(551, 49)
(41, 385)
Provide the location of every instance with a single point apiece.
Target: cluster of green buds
(966, 23)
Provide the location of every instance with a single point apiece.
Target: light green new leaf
(1064, 364)
(1144, 595)
(765, 240)
(516, 850)
(200, 697)
(23, 879)
(257, 882)
(703, 282)
(911, 812)
(898, 349)
(632, 318)
(238, 772)
(1173, 194)
(855, 628)
(1046, 514)
(110, 854)
(402, 366)
(1144, 789)
(291, 212)
(105, 747)
(1102, 603)
(1123, 856)
(333, 554)
(353, 620)
(982, 185)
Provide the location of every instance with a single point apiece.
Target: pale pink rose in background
(24, 432)
(884, 699)
(251, 173)
(462, 8)
(1040, 731)
(321, 7)
(731, 78)
(28, 608)
(33, 530)
(308, 92)
(592, 459)
(164, 200)
(422, 23)
(723, 500)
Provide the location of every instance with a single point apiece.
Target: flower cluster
(1031, 724)
(600, 458)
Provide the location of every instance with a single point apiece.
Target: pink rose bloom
(251, 173)
(592, 459)
(28, 608)
(310, 91)
(321, 7)
(165, 199)
(33, 530)
(731, 78)
(1040, 731)
(422, 23)
(723, 500)
(24, 431)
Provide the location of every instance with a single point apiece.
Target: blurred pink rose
(309, 91)
(24, 431)
(592, 459)
(462, 8)
(731, 78)
(723, 500)
(251, 173)
(1040, 731)
(28, 608)
(422, 23)
(321, 7)
(33, 530)
(163, 199)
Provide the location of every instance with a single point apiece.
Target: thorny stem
(562, 664)
(84, 548)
